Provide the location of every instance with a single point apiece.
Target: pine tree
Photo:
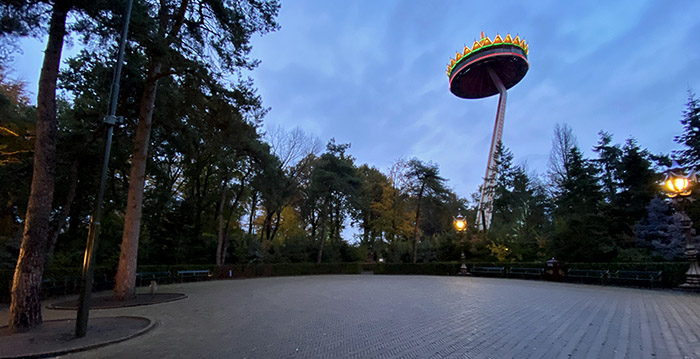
(183, 36)
(690, 138)
(424, 183)
(660, 231)
(580, 233)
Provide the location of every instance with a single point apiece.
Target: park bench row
(650, 278)
(71, 284)
(625, 277)
(145, 278)
(535, 273)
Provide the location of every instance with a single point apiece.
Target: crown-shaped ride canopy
(484, 43)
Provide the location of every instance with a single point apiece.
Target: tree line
(196, 177)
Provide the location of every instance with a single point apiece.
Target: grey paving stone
(409, 317)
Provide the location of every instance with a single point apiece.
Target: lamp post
(678, 187)
(81, 321)
(460, 224)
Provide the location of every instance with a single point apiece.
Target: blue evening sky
(372, 73)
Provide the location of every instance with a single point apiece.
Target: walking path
(361, 316)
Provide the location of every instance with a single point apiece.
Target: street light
(81, 321)
(678, 187)
(460, 224)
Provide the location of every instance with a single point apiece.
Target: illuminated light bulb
(476, 45)
(467, 50)
(680, 184)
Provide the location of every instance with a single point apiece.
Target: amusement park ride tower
(489, 68)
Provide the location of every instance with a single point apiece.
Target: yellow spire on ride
(485, 41)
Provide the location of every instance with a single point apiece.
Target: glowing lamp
(675, 184)
(460, 223)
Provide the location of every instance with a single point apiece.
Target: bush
(673, 272)
(672, 276)
(5, 284)
(437, 268)
(284, 269)
(443, 268)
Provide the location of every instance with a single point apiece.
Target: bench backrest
(193, 272)
(534, 270)
(152, 274)
(637, 274)
(489, 269)
(588, 272)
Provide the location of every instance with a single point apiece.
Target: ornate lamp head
(676, 183)
(460, 223)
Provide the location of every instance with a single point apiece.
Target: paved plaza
(365, 316)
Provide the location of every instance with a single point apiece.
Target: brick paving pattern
(365, 316)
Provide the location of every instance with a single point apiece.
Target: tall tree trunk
(25, 307)
(415, 225)
(236, 201)
(251, 217)
(267, 227)
(324, 230)
(338, 223)
(277, 225)
(60, 220)
(220, 234)
(125, 281)
(365, 229)
(226, 237)
(314, 223)
(199, 204)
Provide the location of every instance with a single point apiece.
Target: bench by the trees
(636, 277)
(71, 285)
(489, 271)
(145, 278)
(587, 275)
(526, 273)
(193, 275)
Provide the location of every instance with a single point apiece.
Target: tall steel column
(485, 209)
(81, 321)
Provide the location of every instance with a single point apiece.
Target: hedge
(440, 268)
(284, 269)
(673, 272)
(236, 271)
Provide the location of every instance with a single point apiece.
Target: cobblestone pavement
(364, 316)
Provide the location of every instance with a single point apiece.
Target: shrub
(284, 269)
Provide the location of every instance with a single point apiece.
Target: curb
(151, 325)
(54, 306)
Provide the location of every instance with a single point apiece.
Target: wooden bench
(71, 284)
(526, 273)
(49, 288)
(145, 278)
(102, 282)
(587, 275)
(636, 277)
(488, 271)
(194, 274)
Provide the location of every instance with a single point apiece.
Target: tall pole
(94, 231)
(484, 211)
(692, 276)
